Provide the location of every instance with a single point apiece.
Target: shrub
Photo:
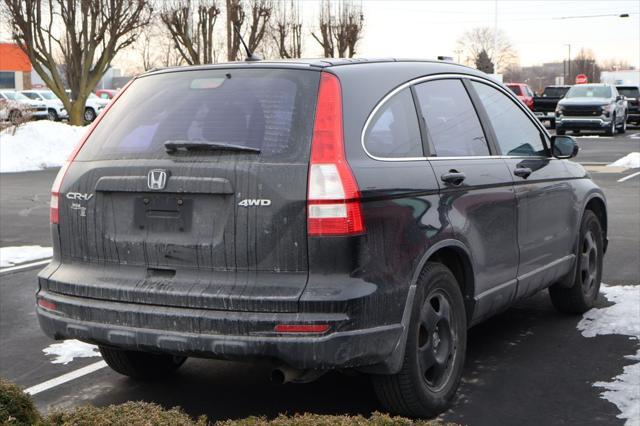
(129, 413)
(16, 407)
(376, 419)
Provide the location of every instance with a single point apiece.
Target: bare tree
(191, 24)
(256, 23)
(287, 30)
(340, 27)
(474, 41)
(585, 63)
(82, 35)
(615, 65)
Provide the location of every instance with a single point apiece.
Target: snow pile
(66, 351)
(37, 145)
(630, 161)
(623, 317)
(15, 255)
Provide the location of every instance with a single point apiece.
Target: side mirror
(620, 98)
(564, 146)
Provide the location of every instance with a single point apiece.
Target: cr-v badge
(157, 179)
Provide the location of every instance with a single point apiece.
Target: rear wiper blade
(173, 146)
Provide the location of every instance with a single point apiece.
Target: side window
(31, 95)
(394, 131)
(452, 123)
(515, 132)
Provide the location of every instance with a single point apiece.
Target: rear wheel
(435, 349)
(560, 132)
(15, 116)
(582, 295)
(141, 365)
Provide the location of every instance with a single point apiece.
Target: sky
(427, 29)
(539, 30)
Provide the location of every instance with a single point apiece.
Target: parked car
(93, 106)
(544, 107)
(632, 95)
(592, 107)
(55, 108)
(106, 93)
(320, 215)
(523, 92)
(35, 108)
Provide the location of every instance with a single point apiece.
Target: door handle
(523, 172)
(453, 177)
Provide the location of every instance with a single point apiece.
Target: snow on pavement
(37, 145)
(66, 351)
(623, 317)
(10, 256)
(630, 161)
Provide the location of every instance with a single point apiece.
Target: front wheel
(435, 349)
(141, 365)
(52, 115)
(89, 115)
(623, 126)
(612, 128)
(582, 295)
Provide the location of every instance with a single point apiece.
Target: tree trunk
(76, 114)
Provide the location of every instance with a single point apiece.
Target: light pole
(568, 65)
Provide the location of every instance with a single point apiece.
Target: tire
(552, 124)
(15, 116)
(623, 126)
(611, 129)
(52, 115)
(425, 385)
(582, 295)
(560, 132)
(89, 115)
(141, 365)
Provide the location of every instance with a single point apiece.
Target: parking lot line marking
(629, 177)
(25, 266)
(33, 390)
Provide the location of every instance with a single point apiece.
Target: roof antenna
(251, 57)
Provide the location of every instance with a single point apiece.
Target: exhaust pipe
(282, 375)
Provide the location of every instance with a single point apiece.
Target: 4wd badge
(249, 202)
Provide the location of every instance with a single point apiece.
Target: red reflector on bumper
(301, 328)
(46, 304)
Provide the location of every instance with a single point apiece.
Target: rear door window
(453, 127)
(268, 109)
(394, 131)
(515, 132)
(515, 89)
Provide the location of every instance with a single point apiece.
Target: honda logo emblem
(157, 179)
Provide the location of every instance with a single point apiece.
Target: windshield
(555, 92)
(15, 96)
(585, 91)
(48, 95)
(515, 89)
(270, 110)
(629, 92)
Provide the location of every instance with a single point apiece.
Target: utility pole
(568, 65)
(495, 37)
(229, 31)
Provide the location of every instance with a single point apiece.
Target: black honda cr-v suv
(332, 214)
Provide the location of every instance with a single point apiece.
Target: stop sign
(581, 79)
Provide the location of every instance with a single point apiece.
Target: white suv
(93, 106)
(55, 108)
(35, 108)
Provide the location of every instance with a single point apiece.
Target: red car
(106, 93)
(523, 92)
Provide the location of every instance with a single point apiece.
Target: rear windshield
(583, 91)
(629, 92)
(515, 89)
(268, 109)
(555, 92)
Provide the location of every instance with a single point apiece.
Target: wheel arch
(597, 204)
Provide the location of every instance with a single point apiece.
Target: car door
(476, 189)
(545, 196)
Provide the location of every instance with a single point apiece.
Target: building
(15, 68)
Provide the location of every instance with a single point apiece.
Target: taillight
(333, 198)
(54, 212)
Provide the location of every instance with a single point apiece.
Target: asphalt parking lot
(529, 365)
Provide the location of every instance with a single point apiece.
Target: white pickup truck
(55, 108)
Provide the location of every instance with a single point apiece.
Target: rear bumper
(216, 334)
